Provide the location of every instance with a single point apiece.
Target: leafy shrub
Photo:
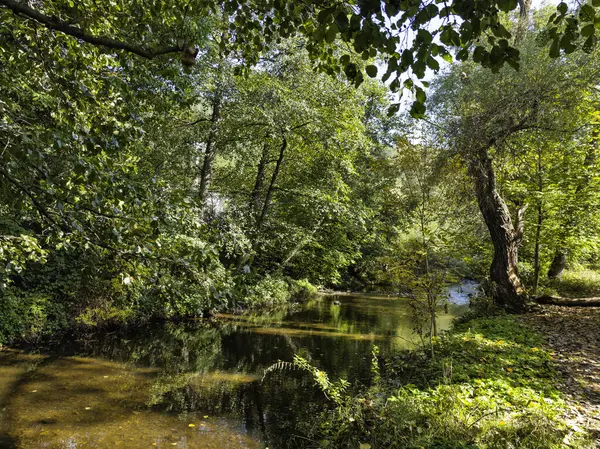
(302, 290)
(267, 291)
(490, 385)
(104, 315)
(29, 316)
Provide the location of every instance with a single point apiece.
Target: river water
(197, 385)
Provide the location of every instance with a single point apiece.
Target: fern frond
(279, 366)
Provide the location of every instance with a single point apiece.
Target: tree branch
(55, 24)
(41, 209)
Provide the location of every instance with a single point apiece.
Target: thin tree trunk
(269, 194)
(524, 6)
(260, 179)
(508, 290)
(303, 242)
(209, 153)
(540, 218)
(536, 254)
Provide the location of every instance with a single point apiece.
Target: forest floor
(573, 337)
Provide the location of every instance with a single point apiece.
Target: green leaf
(478, 53)
(407, 58)
(371, 71)
(425, 36)
(562, 8)
(417, 110)
(350, 70)
(587, 13)
(433, 64)
(393, 109)
(462, 55)
(588, 30)
(421, 96)
(332, 32)
(324, 17)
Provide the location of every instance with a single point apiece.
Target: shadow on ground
(573, 334)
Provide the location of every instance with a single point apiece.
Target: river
(197, 384)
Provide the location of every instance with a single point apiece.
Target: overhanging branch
(55, 24)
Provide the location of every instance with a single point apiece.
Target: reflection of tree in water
(215, 368)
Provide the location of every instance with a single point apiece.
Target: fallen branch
(568, 302)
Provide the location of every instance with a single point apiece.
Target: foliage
(399, 31)
(267, 291)
(29, 317)
(577, 282)
(302, 290)
(101, 210)
(492, 386)
(509, 131)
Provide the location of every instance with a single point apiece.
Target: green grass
(490, 385)
(577, 283)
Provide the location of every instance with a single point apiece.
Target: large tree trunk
(209, 153)
(508, 291)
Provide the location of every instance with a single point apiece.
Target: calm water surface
(196, 385)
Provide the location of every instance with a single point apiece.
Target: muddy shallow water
(196, 385)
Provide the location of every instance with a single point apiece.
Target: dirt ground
(573, 335)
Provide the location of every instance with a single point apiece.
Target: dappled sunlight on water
(76, 402)
(196, 384)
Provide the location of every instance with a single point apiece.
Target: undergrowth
(489, 385)
(577, 283)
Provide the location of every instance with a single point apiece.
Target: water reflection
(196, 384)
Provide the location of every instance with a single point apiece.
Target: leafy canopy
(410, 35)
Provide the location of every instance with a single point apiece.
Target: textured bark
(506, 238)
(209, 153)
(559, 263)
(536, 253)
(524, 7)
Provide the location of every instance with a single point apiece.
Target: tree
(483, 117)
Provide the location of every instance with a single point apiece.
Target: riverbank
(493, 382)
(30, 316)
(155, 379)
